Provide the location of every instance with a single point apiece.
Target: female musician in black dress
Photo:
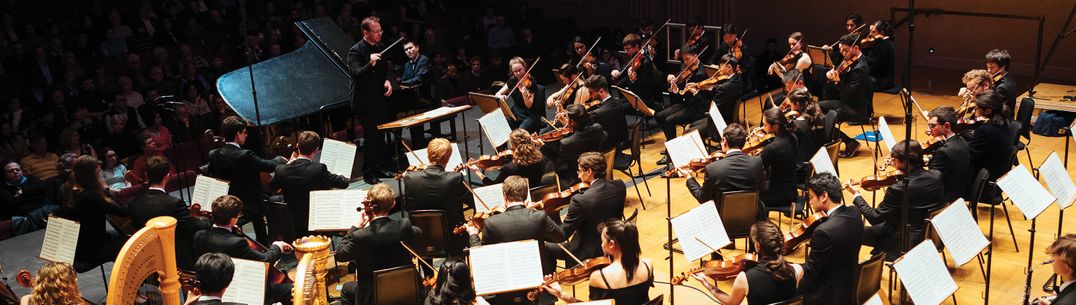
(779, 158)
(86, 200)
(990, 143)
(453, 285)
(527, 160)
(772, 280)
(628, 279)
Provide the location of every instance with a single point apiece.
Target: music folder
(61, 237)
(701, 223)
(488, 103)
(684, 148)
(334, 210)
(206, 190)
(924, 275)
(506, 267)
(635, 101)
(248, 282)
(338, 157)
(1059, 181)
(819, 56)
(1025, 191)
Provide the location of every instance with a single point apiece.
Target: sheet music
(874, 300)
(887, 134)
(439, 112)
(61, 237)
(424, 158)
(598, 302)
(684, 148)
(506, 267)
(248, 282)
(704, 223)
(334, 210)
(496, 128)
(715, 116)
(821, 162)
(338, 156)
(923, 273)
(959, 232)
(1025, 191)
(1059, 181)
(492, 196)
(207, 189)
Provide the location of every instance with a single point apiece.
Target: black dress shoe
(664, 160)
(850, 149)
(385, 174)
(371, 180)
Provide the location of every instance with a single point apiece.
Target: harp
(313, 253)
(150, 251)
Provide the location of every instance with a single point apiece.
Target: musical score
(338, 157)
(61, 237)
(206, 190)
(700, 231)
(924, 275)
(959, 232)
(248, 282)
(506, 267)
(495, 127)
(334, 210)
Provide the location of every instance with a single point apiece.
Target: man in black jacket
(300, 176)
(736, 172)
(604, 200)
(997, 63)
(726, 96)
(609, 112)
(23, 200)
(925, 193)
(240, 167)
(690, 107)
(215, 273)
(434, 188)
(951, 157)
(223, 237)
(369, 87)
(830, 268)
(565, 153)
(374, 244)
(644, 80)
(156, 202)
(855, 88)
(1063, 253)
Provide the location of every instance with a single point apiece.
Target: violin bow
(412, 152)
(912, 99)
(705, 244)
(561, 245)
(480, 201)
(595, 44)
(420, 259)
(551, 124)
(697, 62)
(577, 75)
(834, 44)
(528, 73)
(648, 40)
(390, 46)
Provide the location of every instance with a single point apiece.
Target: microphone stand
(668, 220)
(908, 135)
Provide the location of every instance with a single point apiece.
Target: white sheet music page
(686, 147)
(207, 189)
(874, 300)
(959, 232)
(491, 195)
(506, 267)
(886, 133)
(61, 237)
(700, 223)
(715, 116)
(1025, 191)
(496, 128)
(1059, 181)
(248, 282)
(338, 156)
(821, 162)
(423, 157)
(924, 275)
(334, 210)
(598, 302)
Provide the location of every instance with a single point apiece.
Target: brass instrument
(313, 253)
(151, 250)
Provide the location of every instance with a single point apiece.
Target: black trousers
(676, 114)
(374, 147)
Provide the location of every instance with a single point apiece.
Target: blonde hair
(439, 151)
(1065, 247)
(524, 151)
(517, 60)
(380, 198)
(55, 284)
(981, 74)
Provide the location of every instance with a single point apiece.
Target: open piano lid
(295, 84)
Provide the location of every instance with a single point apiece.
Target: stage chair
(793, 301)
(397, 286)
(739, 210)
(623, 162)
(433, 242)
(868, 279)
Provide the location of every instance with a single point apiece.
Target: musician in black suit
(369, 87)
(690, 107)
(1063, 253)
(881, 55)
(436, 188)
(565, 153)
(225, 237)
(855, 91)
(240, 167)
(737, 171)
(374, 244)
(300, 176)
(642, 80)
(215, 273)
(528, 102)
(997, 63)
(603, 201)
(831, 265)
(156, 202)
(726, 95)
(609, 112)
(780, 159)
(952, 157)
(925, 193)
(990, 143)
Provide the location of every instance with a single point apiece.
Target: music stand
(489, 103)
(819, 56)
(635, 101)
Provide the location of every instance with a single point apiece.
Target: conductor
(369, 87)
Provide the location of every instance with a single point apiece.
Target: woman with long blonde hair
(55, 284)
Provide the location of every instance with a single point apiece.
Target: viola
(689, 69)
(717, 79)
(573, 275)
(802, 232)
(487, 161)
(554, 202)
(555, 135)
(721, 270)
(756, 141)
(875, 182)
(696, 164)
(275, 275)
(933, 145)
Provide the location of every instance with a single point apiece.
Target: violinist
(517, 223)
(527, 104)
(565, 153)
(975, 81)
(997, 63)
(990, 143)
(726, 86)
(737, 171)
(241, 167)
(1063, 256)
(435, 188)
(223, 238)
(610, 112)
(453, 286)
(301, 175)
(828, 274)
(639, 74)
(796, 59)
(602, 201)
(771, 281)
(779, 158)
(925, 193)
(374, 244)
(853, 24)
(730, 44)
(696, 36)
(527, 160)
(854, 87)
(688, 107)
(809, 123)
(881, 55)
(627, 280)
(951, 155)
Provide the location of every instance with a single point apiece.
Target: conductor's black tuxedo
(829, 270)
(736, 172)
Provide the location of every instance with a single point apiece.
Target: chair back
(793, 301)
(868, 279)
(977, 187)
(1027, 107)
(739, 210)
(609, 156)
(540, 191)
(279, 220)
(830, 121)
(396, 286)
(660, 299)
(433, 241)
(631, 218)
(1015, 127)
(834, 149)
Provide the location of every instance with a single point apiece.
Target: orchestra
(573, 132)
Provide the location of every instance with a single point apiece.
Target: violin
(554, 202)
(275, 275)
(555, 135)
(479, 219)
(870, 41)
(721, 270)
(716, 79)
(847, 63)
(487, 161)
(802, 232)
(756, 141)
(737, 49)
(689, 69)
(525, 81)
(572, 275)
(695, 165)
(933, 145)
(966, 125)
(875, 182)
(411, 168)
